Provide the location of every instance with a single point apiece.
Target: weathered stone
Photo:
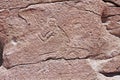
(112, 20)
(52, 70)
(57, 30)
(55, 39)
(116, 2)
(112, 66)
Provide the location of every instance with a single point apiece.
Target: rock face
(59, 39)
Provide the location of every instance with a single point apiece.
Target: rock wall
(59, 39)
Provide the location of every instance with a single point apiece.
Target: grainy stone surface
(52, 70)
(59, 39)
(112, 66)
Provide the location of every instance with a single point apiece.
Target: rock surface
(59, 39)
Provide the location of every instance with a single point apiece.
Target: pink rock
(54, 39)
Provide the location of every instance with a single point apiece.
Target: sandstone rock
(111, 66)
(52, 39)
(60, 29)
(52, 70)
(116, 2)
(111, 18)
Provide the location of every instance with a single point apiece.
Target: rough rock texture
(59, 39)
(112, 66)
